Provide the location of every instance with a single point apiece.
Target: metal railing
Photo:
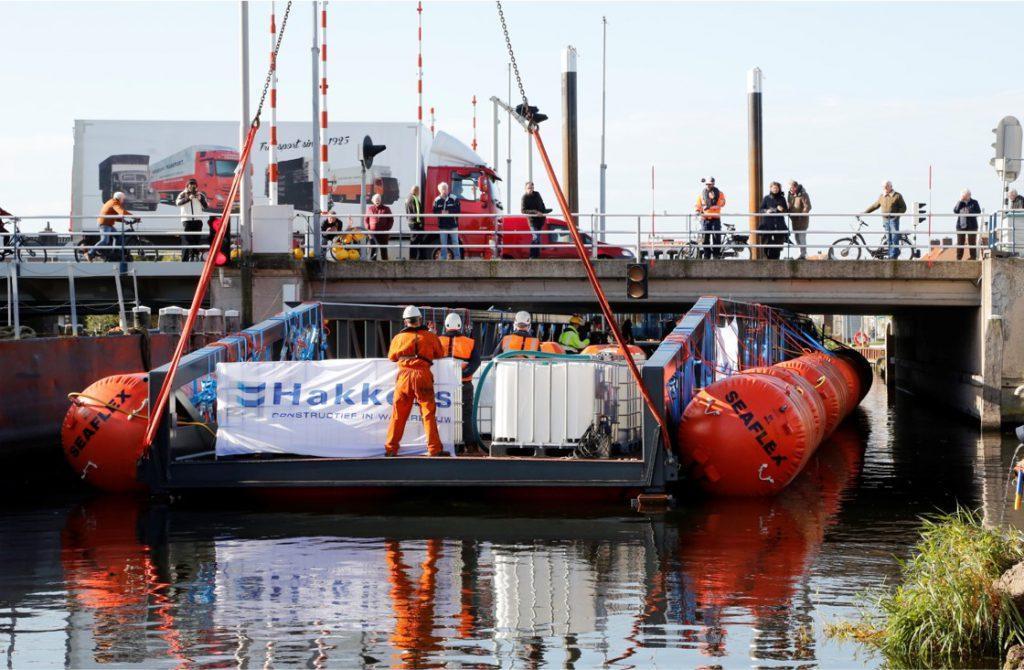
(830, 236)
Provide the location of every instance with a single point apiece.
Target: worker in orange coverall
(414, 349)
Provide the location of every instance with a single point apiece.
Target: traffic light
(367, 150)
(636, 281)
(921, 210)
(531, 114)
(1008, 148)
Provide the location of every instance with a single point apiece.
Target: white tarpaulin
(333, 408)
(728, 345)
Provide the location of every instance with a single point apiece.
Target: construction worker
(520, 339)
(456, 345)
(414, 349)
(570, 337)
(710, 202)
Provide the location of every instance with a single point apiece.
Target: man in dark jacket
(533, 206)
(966, 226)
(418, 241)
(772, 230)
(448, 226)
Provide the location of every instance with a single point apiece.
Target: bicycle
(112, 254)
(734, 245)
(26, 248)
(852, 248)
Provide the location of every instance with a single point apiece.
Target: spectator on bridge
(379, 221)
(113, 210)
(192, 205)
(890, 202)
(709, 205)
(799, 204)
(418, 241)
(966, 226)
(1015, 201)
(330, 224)
(448, 226)
(772, 233)
(533, 206)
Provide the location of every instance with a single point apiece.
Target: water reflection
(725, 582)
(215, 587)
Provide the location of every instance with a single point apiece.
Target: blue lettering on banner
(294, 394)
(251, 390)
(254, 395)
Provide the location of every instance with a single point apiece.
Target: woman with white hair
(966, 226)
(379, 220)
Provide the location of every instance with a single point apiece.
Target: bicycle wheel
(32, 252)
(845, 249)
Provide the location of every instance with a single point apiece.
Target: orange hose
(606, 309)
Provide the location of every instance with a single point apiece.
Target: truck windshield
(223, 168)
(465, 186)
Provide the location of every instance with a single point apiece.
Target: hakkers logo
(258, 395)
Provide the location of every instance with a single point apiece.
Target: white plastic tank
(543, 402)
(171, 320)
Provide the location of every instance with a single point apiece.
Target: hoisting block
(652, 502)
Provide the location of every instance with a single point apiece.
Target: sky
(854, 93)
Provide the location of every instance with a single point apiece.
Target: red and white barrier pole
(474, 123)
(272, 161)
(431, 122)
(325, 197)
(419, 93)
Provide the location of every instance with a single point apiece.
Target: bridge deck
(850, 286)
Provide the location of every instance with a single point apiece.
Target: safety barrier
(832, 236)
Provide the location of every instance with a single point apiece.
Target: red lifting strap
(157, 411)
(581, 251)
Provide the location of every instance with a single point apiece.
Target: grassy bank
(945, 611)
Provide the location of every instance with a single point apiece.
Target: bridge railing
(831, 236)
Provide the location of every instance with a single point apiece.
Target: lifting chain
(270, 72)
(515, 66)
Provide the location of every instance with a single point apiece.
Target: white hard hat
(523, 318)
(119, 195)
(453, 322)
(411, 312)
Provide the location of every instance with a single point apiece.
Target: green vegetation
(946, 611)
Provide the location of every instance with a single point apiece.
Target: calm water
(104, 582)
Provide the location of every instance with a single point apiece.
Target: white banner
(333, 408)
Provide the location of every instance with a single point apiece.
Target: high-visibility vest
(519, 342)
(460, 347)
(552, 348)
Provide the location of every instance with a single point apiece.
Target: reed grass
(946, 611)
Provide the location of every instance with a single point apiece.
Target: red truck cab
(555, 238)
(473, 182)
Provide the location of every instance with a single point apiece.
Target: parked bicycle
(734, 245)
(112, 254)
(854, 247)
(24, 247)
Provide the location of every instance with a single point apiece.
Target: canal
(93, 581)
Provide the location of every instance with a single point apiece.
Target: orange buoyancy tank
(850, 376)
(828, 383)
(803, 387)
(748, 434)
(102, 434)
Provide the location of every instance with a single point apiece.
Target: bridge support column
(1002, 306)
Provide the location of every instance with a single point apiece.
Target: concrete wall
(1003, 314)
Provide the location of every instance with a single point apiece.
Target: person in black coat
(533, 206)
(773, 232)
(966, 226)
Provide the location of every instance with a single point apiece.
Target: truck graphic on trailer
(212, 166)
(128, 173)
(295, 184)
